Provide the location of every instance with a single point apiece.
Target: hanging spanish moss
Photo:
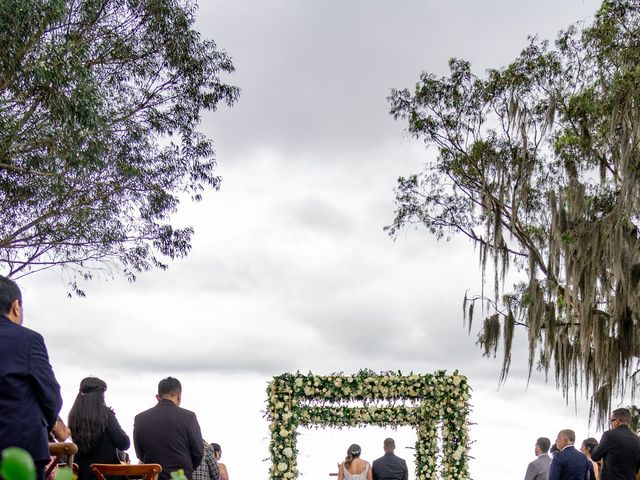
(539, 165)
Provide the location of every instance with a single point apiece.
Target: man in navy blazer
(29, 393)
(619, 448)
(569, 463)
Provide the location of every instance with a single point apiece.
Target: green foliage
(100, 103)
(539, 165)
(17, 464)
(177, 475)
(437, 406)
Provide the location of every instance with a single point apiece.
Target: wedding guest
(353, 467)
(568, 463)
(389, 466)
(94, 428)
(224, 475)
(588, 446)
(539, 468)
(29, 394)
(619, 448)
(167, 434)
(208, 468)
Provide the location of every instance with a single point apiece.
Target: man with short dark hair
(389, 466)
(167, 434)
(539, 468)
(620, 449)
(569, 463)
(29, 392)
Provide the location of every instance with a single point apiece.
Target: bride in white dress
(353, 467)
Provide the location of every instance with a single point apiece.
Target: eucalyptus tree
(100, 106)
(538, 163)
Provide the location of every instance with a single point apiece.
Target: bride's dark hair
(352, 452)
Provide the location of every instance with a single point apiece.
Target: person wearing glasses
(619, 449)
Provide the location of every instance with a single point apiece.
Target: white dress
(360, 476)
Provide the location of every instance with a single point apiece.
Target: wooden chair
(59, 450)
(145, 471)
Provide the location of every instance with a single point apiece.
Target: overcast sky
(291, 269)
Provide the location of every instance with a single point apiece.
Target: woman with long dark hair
(353, 467)
(94, 428)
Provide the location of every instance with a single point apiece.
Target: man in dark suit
(29, 392)
(539, 468)
(167, 434)
(620, 449)
(389, 466)
(569, 463)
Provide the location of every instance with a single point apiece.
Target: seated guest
(224, 475)
(94, 428)
(167, 434)
(208, 469)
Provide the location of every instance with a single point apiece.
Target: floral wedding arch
(436, 405)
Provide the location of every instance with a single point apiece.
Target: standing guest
(353, 467)
(619, 448)
(167, 434)
(539, 468)
(217, 450)
(208, 468)
(568, 463)
(94, 428)
(389, 466)
(588, 446)
(29, 392)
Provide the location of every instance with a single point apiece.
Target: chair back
(59, 450)
(145, 471)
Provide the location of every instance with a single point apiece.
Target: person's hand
(60, 431)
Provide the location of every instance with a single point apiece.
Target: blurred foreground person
(29, 392)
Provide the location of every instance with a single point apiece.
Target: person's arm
(223, 470)
(196, 445)
(602, 448)
(46, 386)
(137, 443)
(405, 474)
(341, 471)
(531, 472)
(114, 430)
(369, 473)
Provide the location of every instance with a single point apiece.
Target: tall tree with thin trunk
(538, 164)
(100, 105)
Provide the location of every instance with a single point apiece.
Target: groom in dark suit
(29, 393)
(389, 466)
(569, 463)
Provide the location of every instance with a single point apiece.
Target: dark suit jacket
(570, 464)
(29, 393)
(105, 450)
(390, 467)
(168, 435)
(620, 449)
